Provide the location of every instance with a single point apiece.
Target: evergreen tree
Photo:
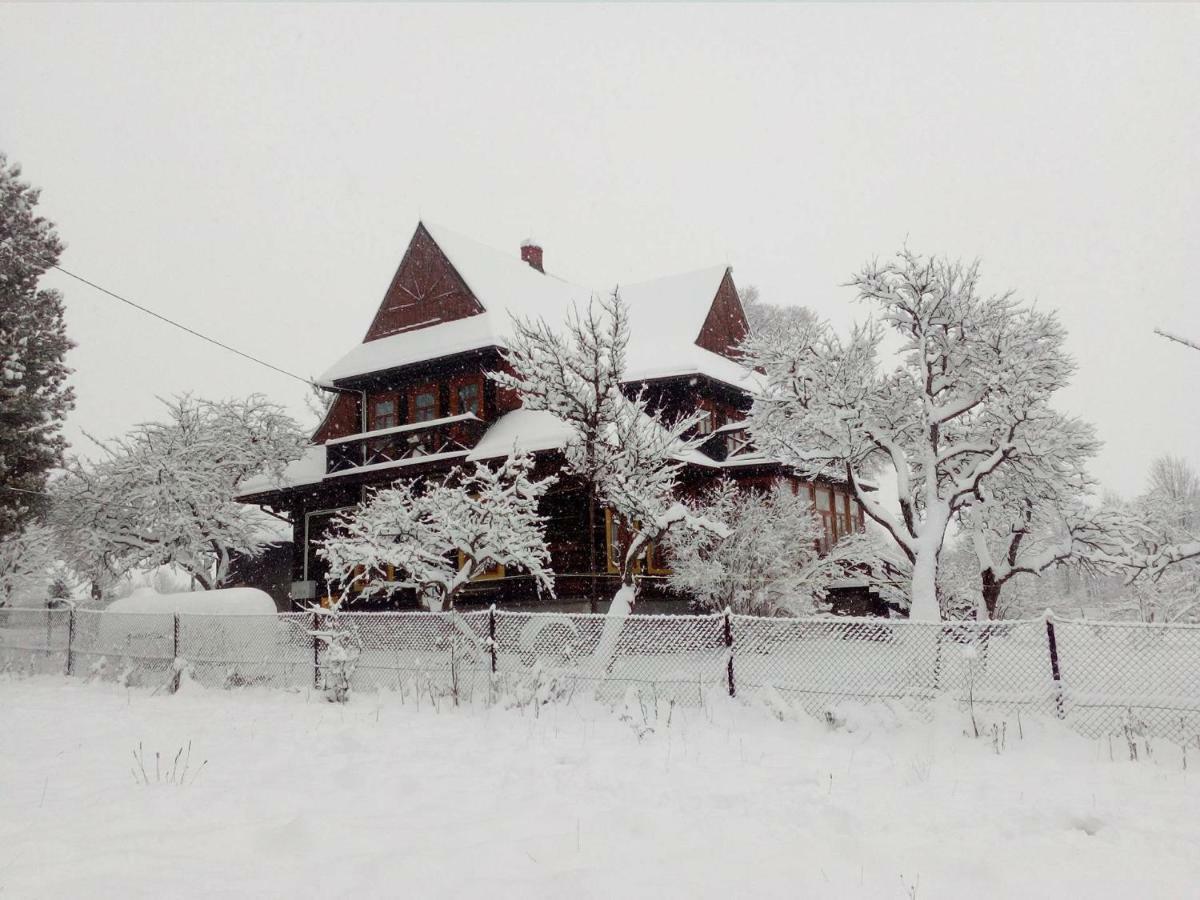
(34, 395)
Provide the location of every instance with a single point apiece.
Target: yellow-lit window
(617, 536)
(489, 574)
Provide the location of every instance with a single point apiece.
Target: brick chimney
(532, 254)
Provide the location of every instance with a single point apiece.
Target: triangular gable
(453, 295)
(426, 290)
(725, 327)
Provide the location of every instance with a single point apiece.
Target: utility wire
(1177, 339)
(191, 331)
(179, 325)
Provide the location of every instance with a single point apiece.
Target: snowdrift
(222, 602)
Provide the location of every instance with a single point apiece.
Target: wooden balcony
(404, 443)
(731, 443)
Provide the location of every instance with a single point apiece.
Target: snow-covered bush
(435, 538)
(27, 566)
(767, 563)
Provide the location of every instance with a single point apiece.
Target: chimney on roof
(532, 254)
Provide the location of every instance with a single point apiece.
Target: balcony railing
(731, 443)
(403, 442)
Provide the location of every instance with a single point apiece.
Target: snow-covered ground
(378, 797)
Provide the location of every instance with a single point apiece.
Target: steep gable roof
(667, 315)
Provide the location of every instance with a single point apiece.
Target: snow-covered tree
(1172, 479)
(764, 317)
(975, 376)
(1163, 558)
(435, 539)
(164, 493)
(627, 457)
(768, 562)
(34, 395)
(26, 566)
(574, 373)
(1037, 511)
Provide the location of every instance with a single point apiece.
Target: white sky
(257, 171)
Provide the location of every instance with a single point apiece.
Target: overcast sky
(256, 172)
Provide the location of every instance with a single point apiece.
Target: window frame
(464, 381)
(415, 391)
(373, 415)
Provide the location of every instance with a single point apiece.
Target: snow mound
(221, 602)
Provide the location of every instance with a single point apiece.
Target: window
(825, 509)
(466, 397)
(424, 404)
(383, 414)
(617, 535)
(614, 531)
(491, 573)
(707, 425)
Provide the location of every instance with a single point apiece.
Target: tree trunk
(991, 588)
(924, 602)
(593, 598)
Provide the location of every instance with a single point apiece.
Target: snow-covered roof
(523, 430)
(526, 430)
(665, 317)
(308, 469)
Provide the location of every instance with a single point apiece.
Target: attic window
(424, 406)
(467, 396)
(384, 414)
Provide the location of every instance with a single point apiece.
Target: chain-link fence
(1100, 677)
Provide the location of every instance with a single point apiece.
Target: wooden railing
(404, 442)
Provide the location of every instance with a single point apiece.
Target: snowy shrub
(341, 647)
(436, 538)
(27, 566)
(767, 563)
(162, 772)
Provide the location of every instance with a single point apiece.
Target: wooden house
(413, 400)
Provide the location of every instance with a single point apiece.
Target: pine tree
(34, 395)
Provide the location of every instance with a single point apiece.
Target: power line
(1177, 339)
(182, 327)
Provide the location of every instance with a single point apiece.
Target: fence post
(492, 635)
(316, 655)
(175, 638)
(729, 650)
(70, 636)
(1055, 671)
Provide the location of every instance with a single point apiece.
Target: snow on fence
(1101, 677)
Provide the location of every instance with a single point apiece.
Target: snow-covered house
(413, 398)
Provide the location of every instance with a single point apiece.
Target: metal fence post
(492, 635)
(70, 636)
(729, 650)
(1055, 671)
(316, 654)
